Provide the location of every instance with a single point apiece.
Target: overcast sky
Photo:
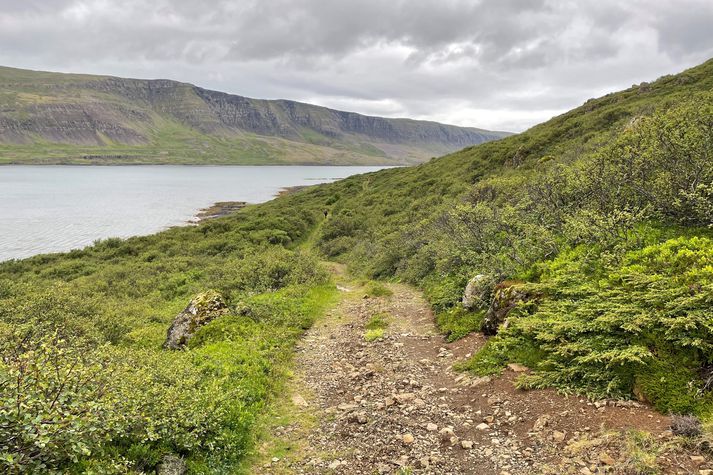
(496, 64)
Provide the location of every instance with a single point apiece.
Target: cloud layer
(498, 64)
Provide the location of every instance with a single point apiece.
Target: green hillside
(599, 220)
(82, 119)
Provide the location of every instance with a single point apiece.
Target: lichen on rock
(506, 297)
(202, 309)
(477, 293)
(172, 465)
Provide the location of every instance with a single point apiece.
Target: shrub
(686, 425)
(645, 323)
(54, 407)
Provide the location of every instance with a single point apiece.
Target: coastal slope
(574, 258)
(75, 118)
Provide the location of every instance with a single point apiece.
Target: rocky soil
(394, 405)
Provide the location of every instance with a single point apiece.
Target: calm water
(58, 208)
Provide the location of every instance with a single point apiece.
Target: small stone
(408, 439)
(466, 444)
(698, 459)
(558, 436)
(383, 468)
(299, 401)
(541, 422)
(489, 419)
(359, 417)
(423, 462)
(518, 368)
(335, 465)
(482, 426)
(606, 459)
(431, 427)
(404, 397)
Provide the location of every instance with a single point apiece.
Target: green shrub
(54, 403)
(647, 321)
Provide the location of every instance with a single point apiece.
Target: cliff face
(148, 117)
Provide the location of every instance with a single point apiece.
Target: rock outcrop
(202, 309)
(477, 293)
(507, 296)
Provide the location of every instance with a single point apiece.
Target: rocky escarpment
(42, 109)
(288, 118)
(68, 123)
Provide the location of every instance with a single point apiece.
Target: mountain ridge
(64, 117)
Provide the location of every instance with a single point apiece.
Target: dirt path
(394, 405)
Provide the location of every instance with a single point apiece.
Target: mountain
(74, 118)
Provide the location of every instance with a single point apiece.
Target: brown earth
(395, 405)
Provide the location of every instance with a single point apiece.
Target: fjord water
(59, 208)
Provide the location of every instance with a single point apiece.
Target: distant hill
(76, 118)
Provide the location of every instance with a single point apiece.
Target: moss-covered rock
(202, 309)
(507, 296)
(477, 293)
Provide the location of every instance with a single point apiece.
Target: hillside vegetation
(600, 220)
(83, 119)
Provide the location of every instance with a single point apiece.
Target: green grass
(376, 326)
(377, 289)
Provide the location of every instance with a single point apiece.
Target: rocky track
(395, 405)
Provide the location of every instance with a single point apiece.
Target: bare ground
(395, 405)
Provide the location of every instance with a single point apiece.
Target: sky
(494, 64)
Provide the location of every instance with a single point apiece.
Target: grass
(376, 326)
(377, 289)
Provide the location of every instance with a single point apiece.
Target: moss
(375, 334)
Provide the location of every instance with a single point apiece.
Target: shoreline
(221, 209)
